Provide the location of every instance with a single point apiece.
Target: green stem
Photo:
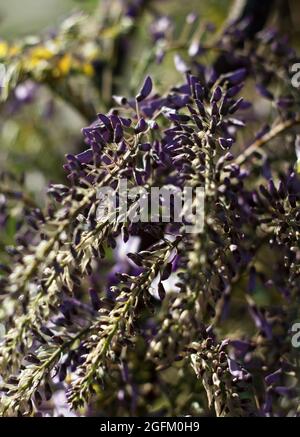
(274, 132)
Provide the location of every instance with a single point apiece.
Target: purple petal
(105, 120)
(237, 76)
(273, 377)
(85, 157)
(146, 89)
(264, 92)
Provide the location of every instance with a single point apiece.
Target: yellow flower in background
(14, 50)
(64, 65)
(54, 58)
(41, 52)
(3, 49)
(37, 58)
(88, 69)
(32, 64)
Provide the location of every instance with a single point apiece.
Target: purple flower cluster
(212, 310)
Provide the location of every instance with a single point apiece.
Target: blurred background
(30, 16)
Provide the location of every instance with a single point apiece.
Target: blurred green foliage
(27, 142)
